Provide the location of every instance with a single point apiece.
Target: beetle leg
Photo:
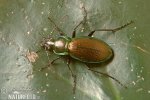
(73, 75)
(58, 29)
(107, 75)
(74, 30)
(81, 22)
(41, 69)
(52, 62)
(112, 30)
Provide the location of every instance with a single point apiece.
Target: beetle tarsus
(121, 27)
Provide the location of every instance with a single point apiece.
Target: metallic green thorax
(60, 46)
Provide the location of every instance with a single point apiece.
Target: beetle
(86, 49)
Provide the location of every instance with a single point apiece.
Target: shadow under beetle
(86, 49)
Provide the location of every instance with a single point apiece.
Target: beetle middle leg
(73, 75)
(107, 75)
(112, 30)
(81, 22)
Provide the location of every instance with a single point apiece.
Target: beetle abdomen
(90, 50)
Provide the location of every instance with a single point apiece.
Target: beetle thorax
(60, 46)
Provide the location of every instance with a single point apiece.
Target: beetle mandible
(86, 49)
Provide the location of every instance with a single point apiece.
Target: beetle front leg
(112, 30)
(52, 62)
(73, 76)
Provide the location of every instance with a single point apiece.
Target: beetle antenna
(57, 28)
(107, 75)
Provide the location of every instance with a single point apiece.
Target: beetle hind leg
(107, 75)
(112, 30)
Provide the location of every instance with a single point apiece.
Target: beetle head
(47, 43)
